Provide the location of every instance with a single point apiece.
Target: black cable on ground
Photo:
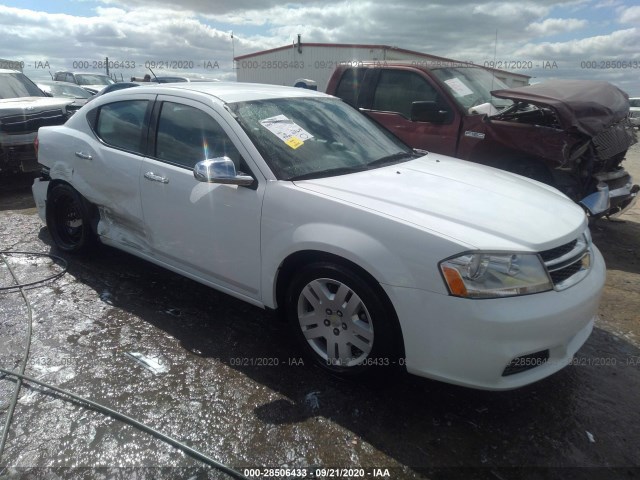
(23, 362)
(77, 398)
(134, 423)
(36, 282)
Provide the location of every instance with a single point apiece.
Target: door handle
(84, 156)
(156, 178)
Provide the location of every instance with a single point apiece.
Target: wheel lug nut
(327, 322)
(339, 313)
(344, 326)
(329, 312)
(336, 331)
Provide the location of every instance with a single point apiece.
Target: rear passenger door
(107, 168)
(204, 230)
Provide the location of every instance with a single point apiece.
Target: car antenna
(154, 75)
(495, 51)
(51, 74)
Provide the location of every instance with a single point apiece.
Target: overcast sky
(592, 39)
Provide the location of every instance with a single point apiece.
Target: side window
(70, 78)
(120, 124)
(349, 86)
(398, 89)
(187, 135)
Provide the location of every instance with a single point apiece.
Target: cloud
(197, 31)
(553, 26)
(631, 15)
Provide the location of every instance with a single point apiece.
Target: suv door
(204, 230)
(393, 93)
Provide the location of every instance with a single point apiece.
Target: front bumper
(616, 193)
(471, 342)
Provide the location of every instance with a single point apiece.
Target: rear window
(120, 124)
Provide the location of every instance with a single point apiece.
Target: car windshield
(89, 79)
(472, 86)
(16, 85)
(68, 91)
(316, 137)
(634, 102)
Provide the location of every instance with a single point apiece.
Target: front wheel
(340, 321)
(68, 219)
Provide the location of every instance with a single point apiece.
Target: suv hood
(11, 106)
(586, 106)
(479, 207)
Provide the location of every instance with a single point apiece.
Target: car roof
(56, 82)
(229, 92)
(82, 73)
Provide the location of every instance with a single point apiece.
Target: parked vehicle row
(569, 134)
(379, 256)
(23, 109)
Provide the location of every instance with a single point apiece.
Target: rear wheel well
(92, 209)
(294, 261)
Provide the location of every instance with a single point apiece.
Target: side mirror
(424, 111)
(220, 170)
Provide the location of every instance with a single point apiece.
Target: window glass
(349, 86)
(316, 137)
(187, 135)
(397, 90)
(120, 124)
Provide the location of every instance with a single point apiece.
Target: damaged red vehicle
(571, 134)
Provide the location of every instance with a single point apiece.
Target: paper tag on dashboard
(286, 130)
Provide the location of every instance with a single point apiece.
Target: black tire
(372, 315)
(68, 219)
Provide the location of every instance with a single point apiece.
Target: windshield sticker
(458, 88)
(286, 130)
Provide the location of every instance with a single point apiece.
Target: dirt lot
(580, 423)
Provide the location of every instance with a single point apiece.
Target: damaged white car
(379, 256)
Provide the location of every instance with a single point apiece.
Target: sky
(546, 39)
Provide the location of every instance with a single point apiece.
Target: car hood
(477, 206)
(586, 106)
(11, 106)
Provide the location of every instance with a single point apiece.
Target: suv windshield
(16, 85)
(88, 79)
(472, 86)
(70, 91)
(316, 137)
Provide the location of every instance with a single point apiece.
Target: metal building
(316, 61)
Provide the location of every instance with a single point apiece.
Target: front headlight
(491, 275)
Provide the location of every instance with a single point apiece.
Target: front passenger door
(395, 91)
(207, 231)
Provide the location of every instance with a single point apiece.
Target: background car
(92, 82)
(51, 88)
(114, 87)
(634, 111)
(23, 109)
(379, 257)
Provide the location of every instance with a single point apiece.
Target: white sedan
(380, 257)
